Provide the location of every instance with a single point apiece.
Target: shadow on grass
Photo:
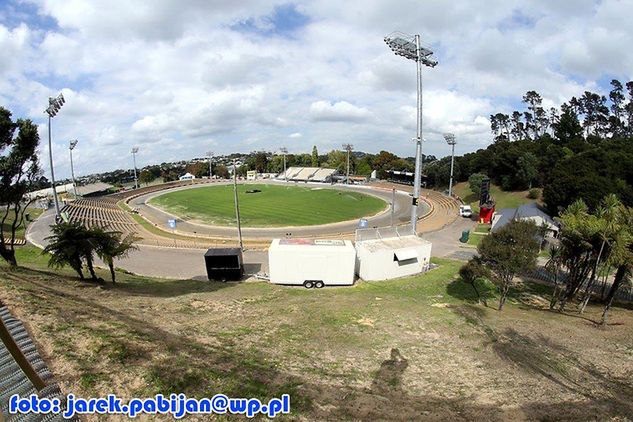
(464, 291)
(542, 356)
(138, 285)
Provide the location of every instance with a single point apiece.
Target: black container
(224, 264)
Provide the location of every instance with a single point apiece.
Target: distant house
(251, 175)
(187, 176)
(529, 211)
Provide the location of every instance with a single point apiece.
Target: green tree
(111, 245)
(19, 173)
(146, 177)
(577, 236)
(364, 166)
(474, 182)
(315, 157)
(337, 160)
(221, 171)
(527, 169)
(68, 245)
(471, 272)
(198, 169)
(511, 250)
(621, 257)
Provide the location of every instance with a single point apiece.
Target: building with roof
(529, 211)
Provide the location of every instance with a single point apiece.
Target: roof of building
(375, 245)
(525, 211)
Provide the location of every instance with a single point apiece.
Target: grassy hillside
(33, 214)
(272, 206)
(502, 198)
(417, 347)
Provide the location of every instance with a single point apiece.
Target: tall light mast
(408, 46)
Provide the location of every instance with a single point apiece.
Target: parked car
(465, 211)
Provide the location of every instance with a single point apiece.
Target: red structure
(486, 203)
(485, 213)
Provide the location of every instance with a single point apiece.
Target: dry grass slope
(412, 348)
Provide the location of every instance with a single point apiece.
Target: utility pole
(393, 204)
(284, 151)
(450, 139)
(237, 205)
(72, 146)
(134, 152)
(210, 154)
(348, 148)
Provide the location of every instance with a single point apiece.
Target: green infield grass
(272, 206)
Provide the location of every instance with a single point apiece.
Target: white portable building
(311, 262)
(383, 259)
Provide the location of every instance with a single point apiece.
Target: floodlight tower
(348, 148)
(54, 104)
(284, 151)
(450, 139)
(237, 205)
(71, 147)
(408, 46)
(134, 152)
(210, 155)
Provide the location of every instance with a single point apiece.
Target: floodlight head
(72, 144)
(450, 138)
(54, 104)
(283, 150)
(348, 147)
(405, 45)
(209, 153)
(134, 150)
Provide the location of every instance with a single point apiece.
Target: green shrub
(534, 193)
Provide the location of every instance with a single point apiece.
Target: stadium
(242, 209)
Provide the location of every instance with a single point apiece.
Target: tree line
(581, 150)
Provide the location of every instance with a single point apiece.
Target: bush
(534, 193)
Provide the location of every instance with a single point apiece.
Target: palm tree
(111, 245)
(607, 223)
(553, 265)
(67, 246)
(622, 257)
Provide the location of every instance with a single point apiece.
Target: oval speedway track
(159, 217)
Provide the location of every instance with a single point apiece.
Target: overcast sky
(179, 78)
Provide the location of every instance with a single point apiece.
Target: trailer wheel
(308, 284)
(319, 284)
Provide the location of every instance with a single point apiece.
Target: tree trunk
(91, 269)
(618, 280)
(504, 294)
(112, 274)
(8, 255)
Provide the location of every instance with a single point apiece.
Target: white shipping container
(311, 262)
(384, 259)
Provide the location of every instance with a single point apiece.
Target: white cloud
(339, 111)
(177, 78)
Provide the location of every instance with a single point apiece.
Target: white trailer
(383, 259)
(311, 262)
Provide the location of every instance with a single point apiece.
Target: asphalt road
(189, 263)
(402, 214)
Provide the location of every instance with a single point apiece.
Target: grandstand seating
(323, 175)
(307, 174)
(101, 212)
